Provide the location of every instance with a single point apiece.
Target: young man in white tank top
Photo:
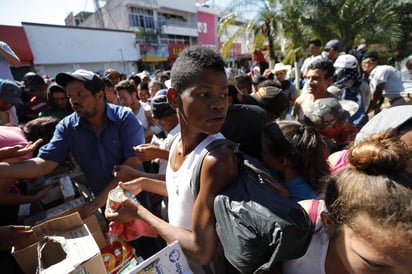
(199, 93)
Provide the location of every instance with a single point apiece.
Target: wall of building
(58, 48)
(206, 28)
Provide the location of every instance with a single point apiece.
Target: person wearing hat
(385, 84)
(114, 75)
(349, 86)
(10, 95)
(332, 49)
(165, 117)
(98, 135)
(35, 85)
(271, 98)
(58, 103)
(280, 70)
(144, 76)
(331, 119)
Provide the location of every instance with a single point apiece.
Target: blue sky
(13, 12)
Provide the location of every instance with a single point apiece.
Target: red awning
(16, 38)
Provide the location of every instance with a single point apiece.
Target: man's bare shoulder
(220, 165)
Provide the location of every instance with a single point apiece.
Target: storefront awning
(16, 38)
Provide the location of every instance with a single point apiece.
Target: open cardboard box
(170, 259)
(26, 252)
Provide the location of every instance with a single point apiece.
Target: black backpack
(256, 226)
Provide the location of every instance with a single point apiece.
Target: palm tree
(262, 24)
(376, 21)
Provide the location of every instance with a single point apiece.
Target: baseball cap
(335, 44)
(90, 79)
(160, 107)
(33, 81)
(347, 61)
(272, 99)
(324, 113)
(144, 74)
(111, 73)
(10, 92)
(161, 92)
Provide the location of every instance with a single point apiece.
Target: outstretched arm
(18, 150)
(27, 169)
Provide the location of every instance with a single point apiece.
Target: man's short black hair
(316, 42)
(325, 65)
(243, 81)
(191, 62)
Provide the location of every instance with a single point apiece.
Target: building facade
(163, 28)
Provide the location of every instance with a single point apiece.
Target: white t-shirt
(388, 75)
(407, 81)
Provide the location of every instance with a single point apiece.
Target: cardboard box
(67, 246)
(26, 252)
(170, 259)
(57, 211)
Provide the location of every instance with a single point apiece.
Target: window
(141, 18)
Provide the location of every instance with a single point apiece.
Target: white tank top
(313, 262)
(181, 199)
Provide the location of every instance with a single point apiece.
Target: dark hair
(53, 88)
(191, 62)
(324, 65)
(375, 186)
(41, 127)
(244, 81)
(316, 42)
(303, 146)
(107, 82)
(136, 79)
(127, 85)
(144, 85)
(372, 55)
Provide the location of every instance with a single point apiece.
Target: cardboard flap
(58, 225)
(66, 244)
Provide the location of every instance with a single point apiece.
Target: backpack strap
(313, 213)
(195, 180)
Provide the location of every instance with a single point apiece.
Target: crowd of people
(341, 146)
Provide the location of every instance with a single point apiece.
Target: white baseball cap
(346, 61)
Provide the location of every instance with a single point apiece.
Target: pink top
(341, 161)
(11, 136)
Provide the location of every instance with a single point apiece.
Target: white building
(59, 48)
